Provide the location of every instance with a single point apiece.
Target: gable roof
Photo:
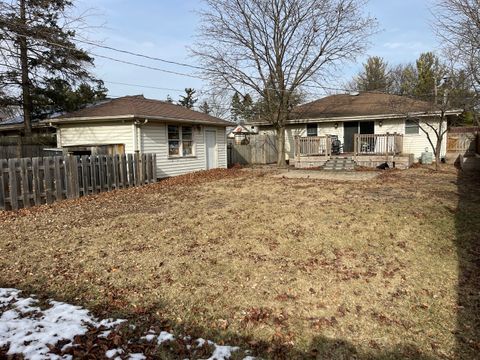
(138, 107)
(361, 104)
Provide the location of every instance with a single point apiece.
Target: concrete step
(339, 164)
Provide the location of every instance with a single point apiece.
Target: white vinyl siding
(96, 134)
(154, 140)
(412, 143)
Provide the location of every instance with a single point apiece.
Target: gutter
(132, 117)
(359, 118)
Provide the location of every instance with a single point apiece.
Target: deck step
(340, 163)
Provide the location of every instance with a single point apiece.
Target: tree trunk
(281, 146)
(438, 151)
(27, 99)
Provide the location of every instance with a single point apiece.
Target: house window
(411, 127)
(312, 130)
(187, 140)
(180, 140)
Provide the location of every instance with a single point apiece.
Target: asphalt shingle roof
(139, 106)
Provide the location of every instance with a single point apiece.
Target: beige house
(184, 140)
(371, 128)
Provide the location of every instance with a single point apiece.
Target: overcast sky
(165, 29)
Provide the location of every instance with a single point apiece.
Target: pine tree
(236, 107)
(189, 99)
(205, 108)
(37, 43)
(430, 72)
(374, 76)
(247, 108)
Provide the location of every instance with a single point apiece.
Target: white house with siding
(372, 128)
(184, 140)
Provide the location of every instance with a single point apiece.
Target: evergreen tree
(205, 108)
(247, 108)
(58, 96)
(189, 99)
(430, 72)
(37, 45)
(236, 107)
(374, 76)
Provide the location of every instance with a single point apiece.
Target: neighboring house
(184, 140)
(372, 128)
(241, 132)
(13, 126)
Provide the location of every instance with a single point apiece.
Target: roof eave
(361, 117)
(77, 120)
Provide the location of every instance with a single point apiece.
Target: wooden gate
(261, 149)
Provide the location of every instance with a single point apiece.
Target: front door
(211, 144)
(350, 128)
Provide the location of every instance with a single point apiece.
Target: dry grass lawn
(293, 268)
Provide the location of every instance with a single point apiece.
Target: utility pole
(27, 99)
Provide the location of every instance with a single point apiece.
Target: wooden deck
(370, 150)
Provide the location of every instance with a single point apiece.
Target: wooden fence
(26, 182)
(261, 149)
(21, 147)
(463, 141)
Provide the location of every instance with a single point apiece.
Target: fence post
(48, 179)
(72, 175)
(24, 180)
(12, 179)
(37, 198)
(3, 164)
(131, 171)
(154, 168)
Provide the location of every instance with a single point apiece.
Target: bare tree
(457, 23)
(273, 48)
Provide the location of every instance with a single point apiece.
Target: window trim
(180, 142)
(412, 124)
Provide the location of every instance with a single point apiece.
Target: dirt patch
(288, 267)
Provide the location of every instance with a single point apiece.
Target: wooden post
(101, 172)
(123, 171)
(12, 179)
(137, 169)
(37, 197)
(24, 183)
(84, 166)
(72, 175)
(154, 167)
(3, 165)
(48, 179)
(116, 176)
(131, 171)
(57, 160)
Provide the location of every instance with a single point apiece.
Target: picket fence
(26, 182)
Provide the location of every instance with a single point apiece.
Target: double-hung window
(180, 140)
(312, 130)
(411, 127)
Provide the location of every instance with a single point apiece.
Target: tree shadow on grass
(467, 222)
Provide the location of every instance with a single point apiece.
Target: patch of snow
(223, 352)
(137, 356)
(164, 337)
(28, 330)
(113, 352)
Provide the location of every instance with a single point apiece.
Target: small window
(180, 140)
(173, 140)
(312, 130)
(411, 127)
(187, 141)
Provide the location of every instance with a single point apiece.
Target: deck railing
(378, 144)
(313, 145)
